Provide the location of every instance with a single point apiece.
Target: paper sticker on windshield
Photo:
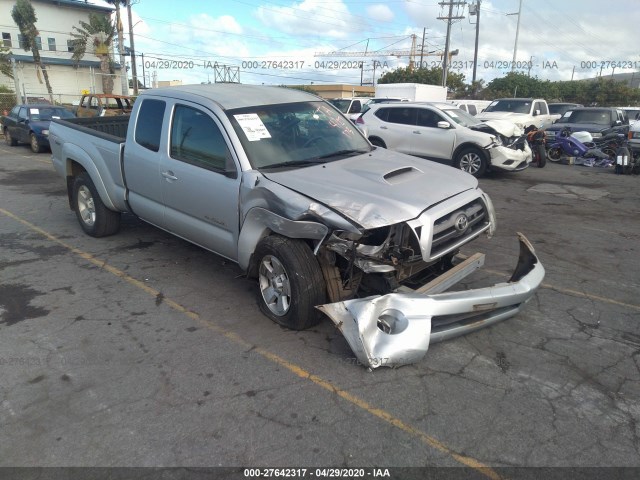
(252, 126)
(567, 114)
(34, 111)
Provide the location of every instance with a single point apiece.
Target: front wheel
(290, 281)
(472, 161)
(35, 144)
(541, 156)
(94, 217)
(9, 140)
(554, 154)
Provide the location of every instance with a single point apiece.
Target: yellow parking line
(292, 367)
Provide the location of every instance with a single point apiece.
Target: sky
(277, 42)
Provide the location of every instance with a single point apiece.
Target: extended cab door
(141, 163)
(200, 181)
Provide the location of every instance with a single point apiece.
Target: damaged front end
(396, 329)
(509, 149)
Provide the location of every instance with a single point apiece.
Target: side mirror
(444, 124)
(617, 123)
(536, 113)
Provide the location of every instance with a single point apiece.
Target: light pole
(474, 9)
(515, 46)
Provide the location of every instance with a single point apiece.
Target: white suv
(441, 131)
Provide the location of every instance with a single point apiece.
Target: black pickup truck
(598, 121)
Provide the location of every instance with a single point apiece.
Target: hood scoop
(401, 175)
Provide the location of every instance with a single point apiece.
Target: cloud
(309, 17)
(380, 13)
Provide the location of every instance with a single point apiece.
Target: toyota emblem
(462, 222)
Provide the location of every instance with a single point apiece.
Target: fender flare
(259, 222)
(73, 153)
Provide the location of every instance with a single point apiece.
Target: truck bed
(113, 129)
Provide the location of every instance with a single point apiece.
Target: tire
(34, 143)
(9, 140)
(609, 152)
(554, 154)
(542, 156)
(471, 160)
(377, 142)
(290, 282)
(94, 217)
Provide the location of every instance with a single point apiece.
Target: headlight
(45, 132)
(596, 135)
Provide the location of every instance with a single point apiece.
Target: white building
(55, 22)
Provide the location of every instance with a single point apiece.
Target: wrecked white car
(443, 132)
(282, 183)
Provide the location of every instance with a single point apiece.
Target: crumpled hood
(503, 127)
(378, 188)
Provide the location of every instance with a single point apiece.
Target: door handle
(418, 132)
(169, 175)
(383, 127)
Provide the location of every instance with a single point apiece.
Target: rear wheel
(290, 282)
(35, 144)
(554, 154)
(542, 156)
(94, 217)
(472, 161)
(9, 140)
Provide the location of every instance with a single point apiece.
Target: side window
(428, 118)
(405, 116)
(356, 107)
(472, 109)
(541, 107)
(14, 111)
(94, 103)
(382, 113)
(22, 114)
(85, 102)
(196, 139)
(149, 124)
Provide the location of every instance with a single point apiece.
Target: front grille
(449, 230)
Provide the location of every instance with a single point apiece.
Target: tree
(5, 62)
(25, 18)
(96, 35)
(119, 29)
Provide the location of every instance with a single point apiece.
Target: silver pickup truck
(282, 183)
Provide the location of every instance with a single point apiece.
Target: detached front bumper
(510, 159)
(396, 329)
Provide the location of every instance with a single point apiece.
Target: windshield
(461, 117)
(560, 109)
(341, 104)
(598, 117)
(510, 105)
(47, 113)
(295, 134)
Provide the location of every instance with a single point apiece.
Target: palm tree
(96, 35)
(123, 71)
(25, 17)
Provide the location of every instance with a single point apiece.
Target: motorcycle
(576, 144)
(537, 139)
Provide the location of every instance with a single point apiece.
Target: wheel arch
(483, 151)
(373, 138)
(260, 222)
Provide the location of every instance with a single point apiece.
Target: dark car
(30, 124)
(598, 121)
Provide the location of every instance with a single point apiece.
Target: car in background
(598, 121)
(443, 132)
(104, 105)
(473, 107)
(349, 105)
(633, 113)
(634, 138)
(559, 109)
(29, 123)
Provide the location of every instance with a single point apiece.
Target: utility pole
(449, 18)
(16, 81)
(424, 31)
(123, 68)
(475, 11)
(133, 51)
(515, 46)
